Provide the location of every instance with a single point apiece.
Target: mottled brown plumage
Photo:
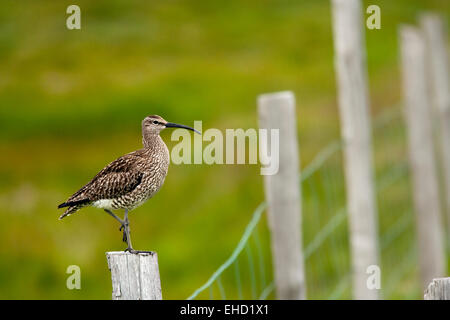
(130, 180)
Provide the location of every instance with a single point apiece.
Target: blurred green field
(72, 101)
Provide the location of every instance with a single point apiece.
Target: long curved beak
(174, 125)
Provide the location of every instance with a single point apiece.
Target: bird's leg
(127, 234)
(122, 224)
(128, 238)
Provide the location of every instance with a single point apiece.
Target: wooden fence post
(438, 289)
(282, 189)
(438, 68)
(421, 154)
(350, 65)
(134, 276)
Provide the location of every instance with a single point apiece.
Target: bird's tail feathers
(72, 203)
(73, 206)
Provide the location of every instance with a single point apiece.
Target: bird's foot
(131, 250)
(124, 227)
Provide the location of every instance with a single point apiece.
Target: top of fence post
(438, 289)
(134, 276)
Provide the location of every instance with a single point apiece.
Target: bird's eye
(155, 122)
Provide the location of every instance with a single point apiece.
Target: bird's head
(153, 125)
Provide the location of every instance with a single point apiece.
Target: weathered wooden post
(437, 63)
(438, 289)
(421, 154)
(350, 65)
(282, 189)
(134, 276)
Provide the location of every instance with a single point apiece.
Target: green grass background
(71, 101)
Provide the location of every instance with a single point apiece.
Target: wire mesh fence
(395, 213)
(247, 273)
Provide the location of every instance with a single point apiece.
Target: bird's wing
(116, 179)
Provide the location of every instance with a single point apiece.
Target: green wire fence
(247, 273)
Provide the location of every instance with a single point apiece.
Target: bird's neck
(154, 145)
(152, 141)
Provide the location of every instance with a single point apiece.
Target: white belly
(103, 204)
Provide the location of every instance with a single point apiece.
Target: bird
(129, 181)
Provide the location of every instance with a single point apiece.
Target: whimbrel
(129, 181)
